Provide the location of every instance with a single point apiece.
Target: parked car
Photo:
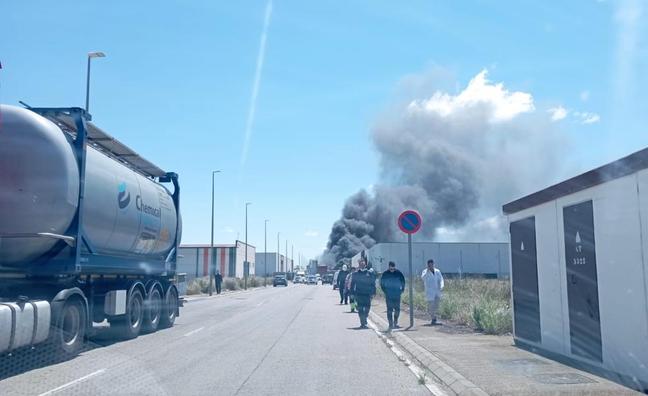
(279, 280)
(327, 278)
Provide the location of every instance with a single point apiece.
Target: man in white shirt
(433, 282)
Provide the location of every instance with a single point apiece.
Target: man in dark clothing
(392, 283)
(363, 287)
(341, 278)
(218, 279)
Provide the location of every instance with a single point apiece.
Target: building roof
(614, 170)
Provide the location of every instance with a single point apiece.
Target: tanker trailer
(88, 232)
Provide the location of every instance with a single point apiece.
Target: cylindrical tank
(125, 213)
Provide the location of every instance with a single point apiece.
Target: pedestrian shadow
(358, 328)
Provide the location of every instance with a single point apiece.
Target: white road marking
(76, 381)
(414, 368)
(261, 303)
(192, 332)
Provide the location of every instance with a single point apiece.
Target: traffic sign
(409, 222)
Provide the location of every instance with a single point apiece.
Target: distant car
(300, 279)
(311, 280)
(328, 278)
(279, 280)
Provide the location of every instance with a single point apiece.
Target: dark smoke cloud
(454, 158)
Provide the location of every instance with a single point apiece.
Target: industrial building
(274, 263)
(489, 259)
(195, 260)
(579, 252)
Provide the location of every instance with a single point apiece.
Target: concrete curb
(198, 297)
(448, 376)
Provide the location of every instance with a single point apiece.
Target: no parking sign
(410, 222)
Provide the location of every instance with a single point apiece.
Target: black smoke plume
(455, 159)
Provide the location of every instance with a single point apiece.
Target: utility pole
(211, 251)
(245, 260)
(279, 268)
(265, 251)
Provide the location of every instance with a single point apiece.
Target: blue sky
(178, 78)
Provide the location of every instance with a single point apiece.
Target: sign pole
(411, 281)
(410, 222)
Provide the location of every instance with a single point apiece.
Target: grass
(201, 285)
(483, 304)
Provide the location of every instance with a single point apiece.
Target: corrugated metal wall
(452, 258)
(195, 261)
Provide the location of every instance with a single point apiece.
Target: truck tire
(68, 333)
(153, 312)
(130, 325)
(169, 308)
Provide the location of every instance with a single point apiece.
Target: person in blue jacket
(363, 287)
(392, 283)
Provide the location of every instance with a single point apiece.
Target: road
(295, 340)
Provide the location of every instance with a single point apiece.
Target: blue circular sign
(410, 222)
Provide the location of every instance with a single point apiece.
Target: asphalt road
(295, 340)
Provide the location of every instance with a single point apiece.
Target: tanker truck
(89, 232)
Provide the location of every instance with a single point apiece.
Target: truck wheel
(169, 308)
(129, 325)
(153, 311)
(69, 331)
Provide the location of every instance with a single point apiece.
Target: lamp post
(278, 269)
(265, 251)
(245, 260)
(211, 249)
(95, 54)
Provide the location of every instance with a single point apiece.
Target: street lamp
(95, 54)
(265, 250)
(211, 267)
(277, 267)
(245, 273)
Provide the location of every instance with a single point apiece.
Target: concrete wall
(196, 261)
(451, 258)
(240, 259)
(620, 211)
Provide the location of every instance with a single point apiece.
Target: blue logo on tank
(123, 197)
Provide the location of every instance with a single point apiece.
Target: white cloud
(228, 230)
(585, 117)
(584, 96)
(311, 233)
(557, 113)
(503, 104)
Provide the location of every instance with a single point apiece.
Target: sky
(281, 96)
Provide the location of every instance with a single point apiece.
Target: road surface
(285, 340)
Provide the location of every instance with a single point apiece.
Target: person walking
(218, 280)
(433, 282)
(341, 281)
(347, 289)
(363, 287)
(392, 283)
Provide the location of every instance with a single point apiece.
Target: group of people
(358, 288)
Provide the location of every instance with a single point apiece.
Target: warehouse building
(490, 259)
(195, 260)
(268, 263)
(579, 252)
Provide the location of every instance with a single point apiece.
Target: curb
(199, 297)
(446, 375)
